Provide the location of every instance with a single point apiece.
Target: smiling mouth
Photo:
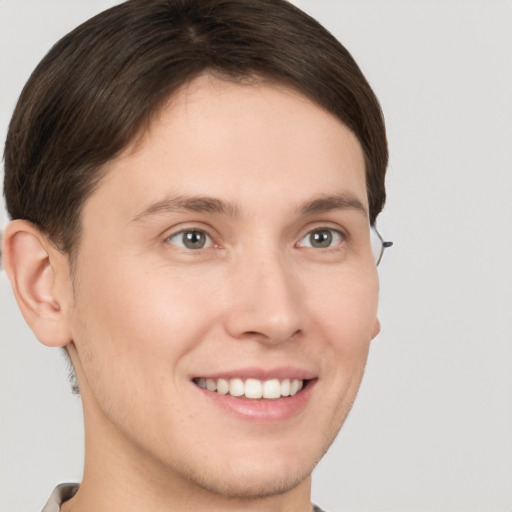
(253, 389)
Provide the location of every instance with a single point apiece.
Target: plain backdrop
(432, 427)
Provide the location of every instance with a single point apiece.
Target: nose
(265, 300)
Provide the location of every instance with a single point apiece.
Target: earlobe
(375, 329)
(32, 264)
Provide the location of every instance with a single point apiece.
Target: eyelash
(333, 235)
(189, 231)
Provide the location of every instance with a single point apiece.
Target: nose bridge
(266, 297)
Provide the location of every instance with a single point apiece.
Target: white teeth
(271, 389)
(285, 387)
(211, 385)
(296, 386)
(252, 388)
(236, 387)
(222, 387)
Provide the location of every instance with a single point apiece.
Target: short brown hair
(101, 85)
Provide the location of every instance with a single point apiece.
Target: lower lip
(263, 410)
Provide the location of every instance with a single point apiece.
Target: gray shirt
(60, 494)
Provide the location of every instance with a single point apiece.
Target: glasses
(379, 245)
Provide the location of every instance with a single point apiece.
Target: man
(192, 185)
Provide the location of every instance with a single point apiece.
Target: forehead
(241, 142)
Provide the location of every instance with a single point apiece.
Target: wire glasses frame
(379, 245)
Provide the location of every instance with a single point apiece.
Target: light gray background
(432, 427)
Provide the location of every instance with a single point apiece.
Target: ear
(375, 329)
(39, 276)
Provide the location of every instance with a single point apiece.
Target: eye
(322, 238)
(190, 239)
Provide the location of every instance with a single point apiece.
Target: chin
(250, 483)
(244, 473)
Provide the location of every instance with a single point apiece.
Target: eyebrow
(323, 204)
(206, 204)
(199, 204)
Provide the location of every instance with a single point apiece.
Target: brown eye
(190, 239)
(321, 238)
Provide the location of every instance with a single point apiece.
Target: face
(226, 256)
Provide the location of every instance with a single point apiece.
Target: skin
(142, 314)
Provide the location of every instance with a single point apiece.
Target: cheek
(131, 332)
(346, 306)
(346, 318)
(146, 321)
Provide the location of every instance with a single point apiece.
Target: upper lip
(252, 372)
